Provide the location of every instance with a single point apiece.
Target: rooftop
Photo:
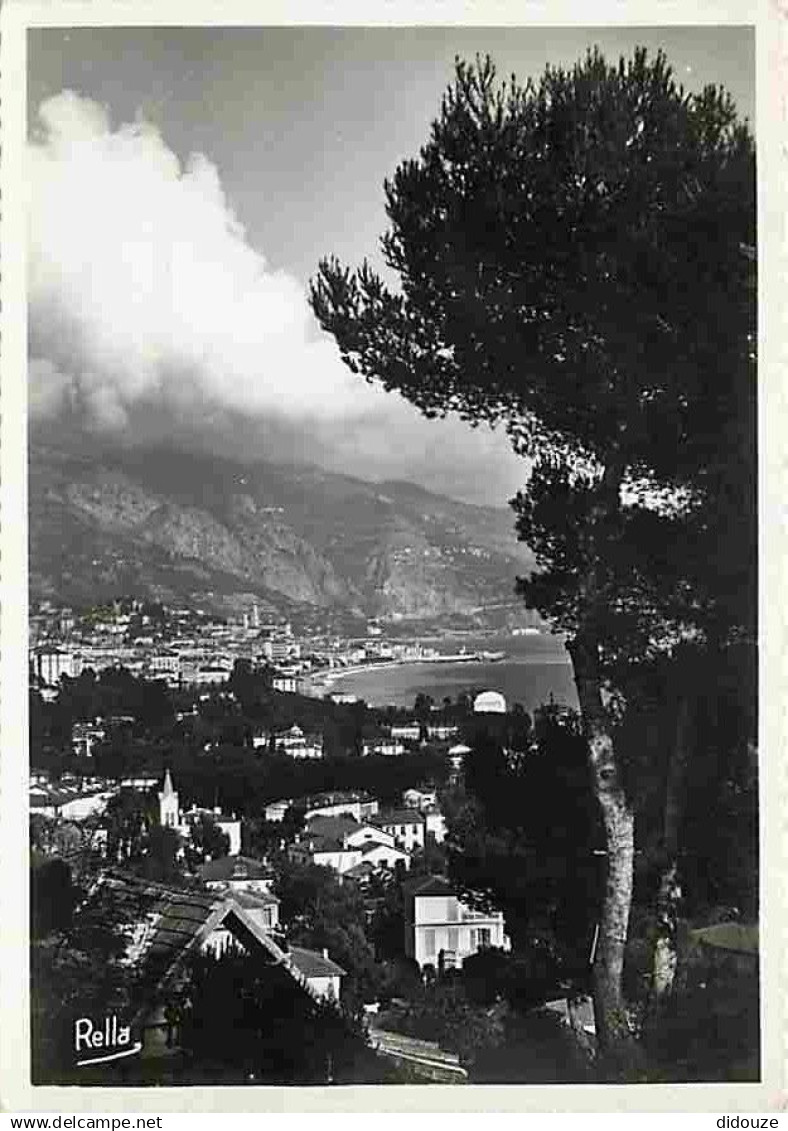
(159, 925)
(398, 817)
(312, 964)
(435, 885)
(332, 826)
(229, 868)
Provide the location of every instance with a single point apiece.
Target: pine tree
(575, 263)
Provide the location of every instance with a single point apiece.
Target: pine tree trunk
(665, 954)
(614, 1034)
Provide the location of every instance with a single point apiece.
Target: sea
(534, 670)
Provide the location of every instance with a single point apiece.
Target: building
(385, 747)
(290, 684)
(280, 651)
(208, 675)
(419, 798)
(442, 732)
(435, 824)
(489, 703)
(457, 755)
(361, 805)
(296, 744)
(406, 826)
(84, 737)
(322, 976)
(163, 926)
(442, 930)
(229, 825)
(276, 810)
(173, 817)
(68, 802)
(380, 855)
(50, 664)
(237, 873)
(406, 732)
(165, 665)
(344, 844)
(262, 910)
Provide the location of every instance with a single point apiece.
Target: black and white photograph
(392, 496)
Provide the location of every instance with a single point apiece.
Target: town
(141, 720)
(193, 808)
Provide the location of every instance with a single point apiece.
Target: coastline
(528, 677)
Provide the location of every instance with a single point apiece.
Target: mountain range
(181, 527)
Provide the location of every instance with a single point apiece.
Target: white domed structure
(489, 703)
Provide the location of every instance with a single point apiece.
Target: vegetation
(573, 258)
(247, 1024)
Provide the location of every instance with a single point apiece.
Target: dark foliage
(523, 836)
(250, 1024)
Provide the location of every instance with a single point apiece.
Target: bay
(533, 670)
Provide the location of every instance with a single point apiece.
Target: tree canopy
(574, 261)
(575, 258)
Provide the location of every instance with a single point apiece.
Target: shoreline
(327, 680)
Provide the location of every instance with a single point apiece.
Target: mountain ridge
(172, 525)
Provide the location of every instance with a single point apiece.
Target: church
(171, 816)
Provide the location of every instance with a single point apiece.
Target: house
(322, 976)
(290, 684)
(359, 805)
(457, 755)
(166, 665)
(361, 873)
(406, 826)
(442, 732)
(236, 873)
(68, 802)
(262, 908)
(435, 824)
(419, 798)
(385, 856)
(383, 747)
(276, 810)
(84, 737)
(356, 834)
(49, 664)
(406, 732)
(171, 816)
(162, 926)
(344, 844)
(326, 852)
(296, 744)
(441, 929)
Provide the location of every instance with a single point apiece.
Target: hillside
(173, 525)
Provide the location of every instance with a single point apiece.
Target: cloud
(143, 289)
(152, 319)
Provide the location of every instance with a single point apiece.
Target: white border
(16, 1093)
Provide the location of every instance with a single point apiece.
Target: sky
(185, 183)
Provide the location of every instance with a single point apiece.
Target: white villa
(439, 927)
